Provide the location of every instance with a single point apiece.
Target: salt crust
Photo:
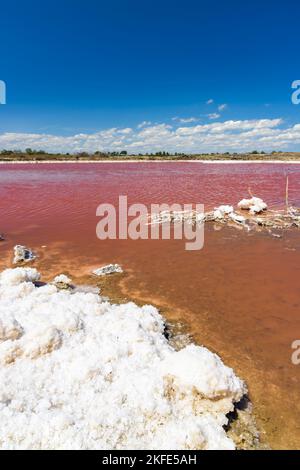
(255, 205)
(80, 373)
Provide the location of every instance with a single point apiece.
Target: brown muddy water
(239, 295)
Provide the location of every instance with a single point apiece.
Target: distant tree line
(32, 154)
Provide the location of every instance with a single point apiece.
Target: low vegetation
(40, 155)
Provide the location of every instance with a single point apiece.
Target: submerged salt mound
(109, 269)
(80, 373)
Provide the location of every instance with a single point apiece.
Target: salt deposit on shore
(80, 373)
(62, 281)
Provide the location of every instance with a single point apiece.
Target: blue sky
(85, 67)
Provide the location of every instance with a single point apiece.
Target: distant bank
(42, 157)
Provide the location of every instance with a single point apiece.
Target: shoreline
(31, 162)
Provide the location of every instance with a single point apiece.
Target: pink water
(239, 295)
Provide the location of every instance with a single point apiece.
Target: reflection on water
(239, 295)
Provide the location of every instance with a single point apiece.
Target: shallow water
(239, 295)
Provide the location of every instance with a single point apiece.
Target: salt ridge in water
(80, 373)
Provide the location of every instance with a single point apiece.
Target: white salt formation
(62, 281)
(109, 269)
(255, 205)
(221, 211)
(80, 373)
(22, 254)
(279, 220)
(240, 219)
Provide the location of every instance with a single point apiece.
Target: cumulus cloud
(230, 135)
(210, 101)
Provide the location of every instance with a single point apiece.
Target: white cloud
(144, 124)
(126, 130)
(185, 120)
(239, 135)
(210, 101)
(221, 107)
(213, 116)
